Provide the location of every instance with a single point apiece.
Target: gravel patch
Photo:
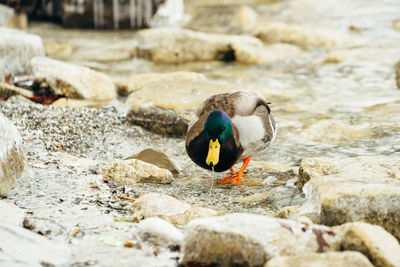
(66, 201)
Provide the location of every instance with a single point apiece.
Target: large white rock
(21, 246)
(168, 208)
(169, 111)
(373, 241)
(12, 159)
(132, 171)
(334, 200)
(352, 189)
(172, 45)
(246, 239)
(279, 32)
(377, 166)
(175, 94)
(10, 213)
(328, 259)
(339, 132)
(72, 80)
(17, 48)
(159, 232)
(137, 81)
(248, 54)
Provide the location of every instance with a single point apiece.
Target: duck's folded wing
(253, 118)
(242, 103)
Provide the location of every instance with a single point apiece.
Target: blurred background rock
(101, 14)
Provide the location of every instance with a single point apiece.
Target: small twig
(124, 197)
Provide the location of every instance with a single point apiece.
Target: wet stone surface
(161, 121)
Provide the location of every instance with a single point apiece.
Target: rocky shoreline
(93, 168)
(85, 213)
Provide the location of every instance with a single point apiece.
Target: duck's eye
(223, 128)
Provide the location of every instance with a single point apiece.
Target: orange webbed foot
(233, 178)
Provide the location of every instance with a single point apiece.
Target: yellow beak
(213, 153)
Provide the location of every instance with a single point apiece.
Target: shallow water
(357, 96)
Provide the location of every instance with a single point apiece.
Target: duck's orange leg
(235, 179)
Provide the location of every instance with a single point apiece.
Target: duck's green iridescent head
(218, 129)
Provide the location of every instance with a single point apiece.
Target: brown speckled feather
(268, 121)
(221, 101)
(243, 103)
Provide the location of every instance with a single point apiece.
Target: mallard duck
(229, 128)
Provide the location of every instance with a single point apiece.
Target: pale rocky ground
(326, 194)
(12, 155)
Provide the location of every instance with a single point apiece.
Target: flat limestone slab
(169, 208)
(376, 166)
(246, 239)
(305, 37)
(172, 45)
(137, 81)
(373, 241)
(19, 245)
(72, 80)
(132, 171)
(170, 110)
(339, 199)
